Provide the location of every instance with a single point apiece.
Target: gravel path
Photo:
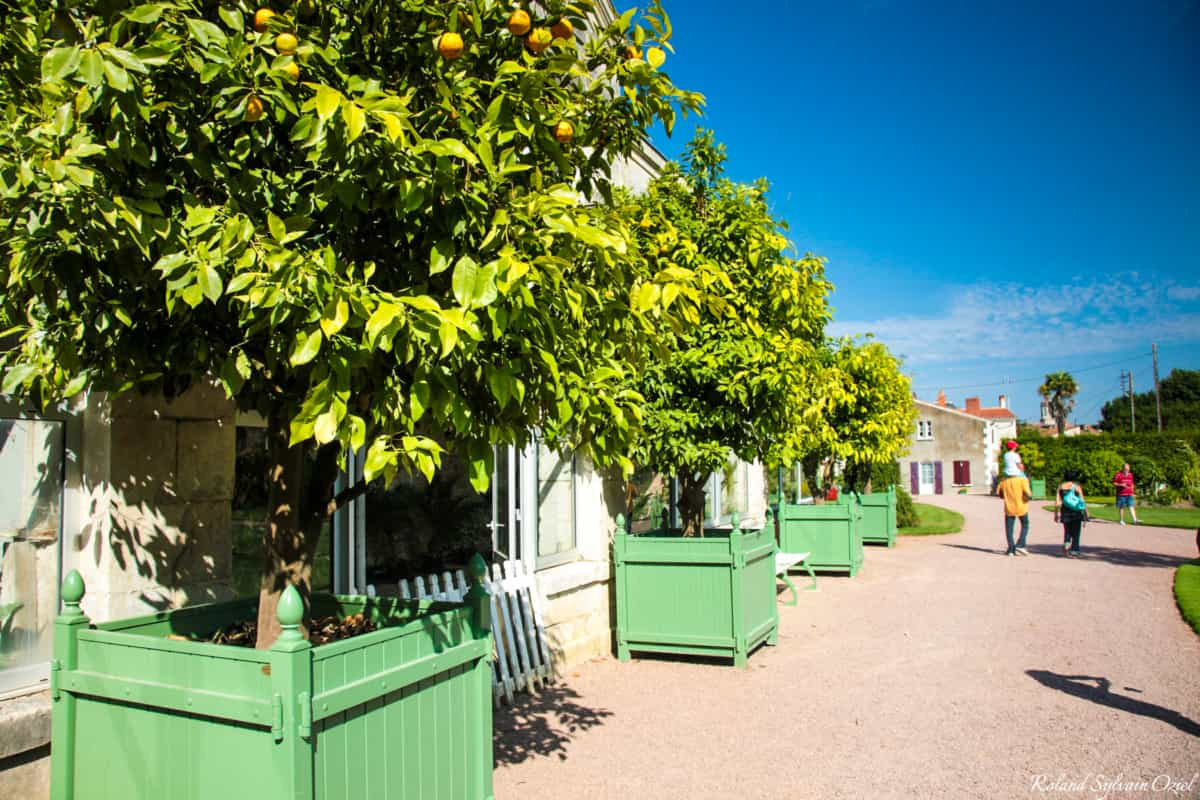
(944, 670)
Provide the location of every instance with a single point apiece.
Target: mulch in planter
(322, 630)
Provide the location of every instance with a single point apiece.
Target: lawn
(1159, 516)
(1187, 593)
(933, 520)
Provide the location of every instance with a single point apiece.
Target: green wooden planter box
(1037, 487)
(402, 712)
(709, 596)
(878, 524)
(831, 533)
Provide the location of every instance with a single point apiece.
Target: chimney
(1003, 401)
(972, 404)
(942, 398)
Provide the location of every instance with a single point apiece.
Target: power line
(1010, 381)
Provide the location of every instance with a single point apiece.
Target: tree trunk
(691, 504)
(296, 511)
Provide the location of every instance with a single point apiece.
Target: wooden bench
(784, 562)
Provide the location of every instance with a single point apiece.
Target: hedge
(1168, 460)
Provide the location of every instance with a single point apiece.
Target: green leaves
(306, 347)
(474, 286)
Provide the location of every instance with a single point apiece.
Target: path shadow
(994, 551)
(1121, 556)
(1080, 686)
(542, 725)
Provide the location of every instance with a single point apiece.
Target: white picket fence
(521, 659)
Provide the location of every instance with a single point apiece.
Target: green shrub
(906, 512)
(1157, 459)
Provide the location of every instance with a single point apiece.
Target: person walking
(1071, 511)
(1123, 481)
(1017, 494)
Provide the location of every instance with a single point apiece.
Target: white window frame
(571, 553)
(924, 430)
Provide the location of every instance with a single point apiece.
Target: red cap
(1012, 445)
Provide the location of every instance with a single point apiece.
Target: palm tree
(1059, 392)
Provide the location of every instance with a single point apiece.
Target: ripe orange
(254, 108)
(563, 29)
(450, 46)
(564, 132)
(260, 19)
(519, 22)
(286, 43)
(538, 40)
(631, 53)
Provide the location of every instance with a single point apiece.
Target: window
(924, 429)
(31, 494)
(556, 507)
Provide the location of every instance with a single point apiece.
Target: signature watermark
(1103, 786)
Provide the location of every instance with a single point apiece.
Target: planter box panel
(692, 601)
(126, 746)
(711, 595)
(759, 614)
(879, 517)
(830, 533)
(195, 678)
(404, 711)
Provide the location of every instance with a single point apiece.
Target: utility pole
(1127, 389)
(1157, 395)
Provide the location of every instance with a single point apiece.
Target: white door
(926, 482)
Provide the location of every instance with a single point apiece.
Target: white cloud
(992, 322)
(1184, 293)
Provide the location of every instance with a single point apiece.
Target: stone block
(24, 724)
(206, 455)
(143, 463)
(204, 400)
(26, 776)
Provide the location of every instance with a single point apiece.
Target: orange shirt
(1017, 494)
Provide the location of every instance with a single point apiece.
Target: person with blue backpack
(1071, 511)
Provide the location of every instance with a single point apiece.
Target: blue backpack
(1072, 500)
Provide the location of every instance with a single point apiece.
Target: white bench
(784, 562)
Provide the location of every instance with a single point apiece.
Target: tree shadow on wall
(543, 725)
(1081, 686)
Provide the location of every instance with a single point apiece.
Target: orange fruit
(538, 40)
(450, 46)
(260, 19)
(656, 57)
(286, 43)
(631, 53)
(563, 29)
(254, 108)
(519, 22)
(564, 132)
(292, 70)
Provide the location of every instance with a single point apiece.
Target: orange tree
(363, 218)
(737, 379)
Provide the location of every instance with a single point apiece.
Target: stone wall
(159, 477)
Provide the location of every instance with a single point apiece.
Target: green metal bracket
(305, 716)
(277, 717)
(55, 669)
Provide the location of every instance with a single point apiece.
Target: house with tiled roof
(955, 449)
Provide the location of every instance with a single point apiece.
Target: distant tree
(1059, 390)
(1180, 393)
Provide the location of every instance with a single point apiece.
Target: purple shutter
(914, 472)
(937, 477)
(966, 476)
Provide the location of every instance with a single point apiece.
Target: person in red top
(1123, 481)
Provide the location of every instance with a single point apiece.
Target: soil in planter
(323, 630)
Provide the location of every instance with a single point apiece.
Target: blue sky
(1001, 190)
